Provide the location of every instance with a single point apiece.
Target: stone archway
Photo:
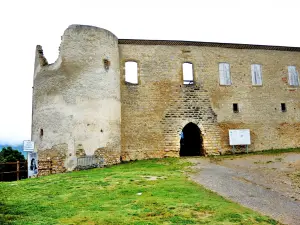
(191, 141)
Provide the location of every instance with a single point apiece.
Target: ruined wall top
(77, 38)
(74, 44)
(87, 28)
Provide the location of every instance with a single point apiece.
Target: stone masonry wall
(155, 111)
(82, 105)
(191, 105)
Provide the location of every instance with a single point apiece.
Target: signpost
(239, 137)
(28, 146)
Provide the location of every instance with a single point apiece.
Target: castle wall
(155, 111)
(83, 106)
(76, 100)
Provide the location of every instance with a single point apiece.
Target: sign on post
(239, 137)
(28, 146)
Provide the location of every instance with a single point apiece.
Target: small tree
(10, 155)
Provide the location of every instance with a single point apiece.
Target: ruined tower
(76, 100)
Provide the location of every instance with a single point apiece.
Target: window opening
(235, 108)
(106, 63)
(131, 72)
(293, 76)
(283, 107)
(41, 133)
(256, 73)
(188, 77)
(224, 72)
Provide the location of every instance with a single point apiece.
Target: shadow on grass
(9, 213)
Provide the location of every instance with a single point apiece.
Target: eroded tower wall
(76, 100)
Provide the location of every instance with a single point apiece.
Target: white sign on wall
(239, 137)
(28, 146)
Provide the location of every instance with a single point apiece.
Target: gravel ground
(268, 184)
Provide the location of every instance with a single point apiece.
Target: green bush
(10, 155)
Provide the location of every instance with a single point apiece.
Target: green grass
(276, 151)
(264, 152)
(110, 196)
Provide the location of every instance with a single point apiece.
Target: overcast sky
(24, 24)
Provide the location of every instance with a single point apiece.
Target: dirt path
(269, 184)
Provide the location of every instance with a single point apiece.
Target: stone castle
(84, 104)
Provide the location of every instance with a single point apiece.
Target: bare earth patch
(153, 177)
(266, 183)
(277, 172)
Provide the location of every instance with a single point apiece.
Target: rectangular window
(235, 108)
(283, 107)
(293, 76)
(131, 72)
(256, 74)
(188, 76)
(224, 72)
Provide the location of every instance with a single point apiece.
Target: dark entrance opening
(191, 141)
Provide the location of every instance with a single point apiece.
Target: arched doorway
(191, 142)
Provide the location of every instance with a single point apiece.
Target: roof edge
(207, 44)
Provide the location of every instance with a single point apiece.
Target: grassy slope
(109, 196)
(265, 152)
(277, 151)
